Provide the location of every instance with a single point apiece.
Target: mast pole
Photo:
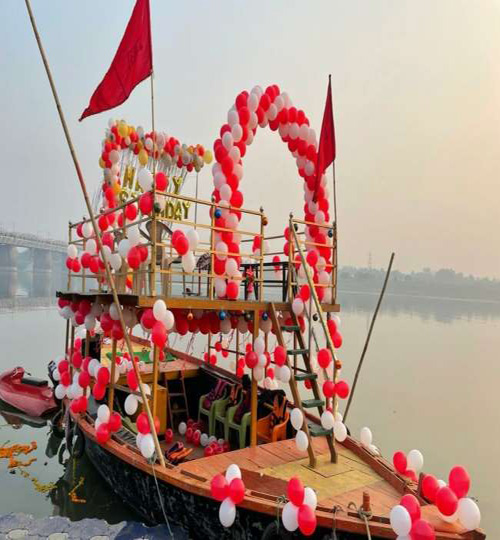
(97, 233)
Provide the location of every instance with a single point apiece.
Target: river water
(429, 382)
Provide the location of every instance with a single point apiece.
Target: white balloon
(301, 441)
(339, 431)
(259, 345)
(188, 262)
(147, 446)
(133, 235)
(298, 306)
(60, 391)
(231, 267)
(227, 140)
(469, 513)
(297, 418)
(233, 471)
(94, 365)
(400, 520)
(415, 460)
(193, 239)
(124, 247)
(115, 261)
(204, 439)
(89, 322)
(258, 373)
(131, 404)
(168, 320)
(72, 251)
(441, 483)
(220, 287)
(327, 420)
(221, 248)
(285, 374)
(225, 192)
(145, 179)
(290, 517)
(114, 312)
(366, 436)
(227, 512)
(237, 132)
(182, 428)
(159, 309)
(310, 498)
(87, 229)
(56, 375)
(91, 246)
(262, 360)
(103, 413)
(232, 117)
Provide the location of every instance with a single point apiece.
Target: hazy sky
(416, 91)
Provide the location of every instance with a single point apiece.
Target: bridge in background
(48, 257)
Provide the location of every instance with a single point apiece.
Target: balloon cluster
(258, 360)
(230, 490)
(409, 465)
(144, 438)
(282, 371)
(335, 422)
(406, 521)
(451, 500)
(106, 423)
(124, 143)
(250, 110)
(299, 511)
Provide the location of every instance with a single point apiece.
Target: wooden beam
(111, 393)
(156, 362)
(253, 408)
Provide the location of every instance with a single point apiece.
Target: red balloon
(342, 389)
(147, 319)
(76, 266)
(324, 358)
(103, 376)
(209, 451)
(459, 481)
(94, 265)
(159, 334)
(189, 434)
(107, 240)
(146, 203)
(251, 359)
(169, 435)
(295, 491)
(430, 487)
(103, 223)
(400, 462)
(328, 389)
(332, 327)
(77, 359)
(422, 530)
(117, 331)
(232, 290)
(106, 322)
(337, 340)
(134, 258)
(143, 423)
(84, 379)
(446, 501)
(161, 181)
(115, 422)
(132, 380)
(312, 258)
(63, 366)
(305, 293)
(103, 433)
(82, 403)
(131, 212)
(237, 490)
(196, 437)
(218, 487)
(280, 355)
(65, 378)
(98, 391)
(181, 245)
(307, 520)
(410, 502)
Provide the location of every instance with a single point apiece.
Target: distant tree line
(444, 283)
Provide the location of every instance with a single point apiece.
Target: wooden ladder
(178, 393)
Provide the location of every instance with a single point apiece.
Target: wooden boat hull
(199, 515)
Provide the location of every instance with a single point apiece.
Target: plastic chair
(272, 434)
(210, 413)
(240, 428)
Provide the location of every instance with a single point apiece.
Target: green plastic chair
(217, 405)
(240, 428)
(220, 414)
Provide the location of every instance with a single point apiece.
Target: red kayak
(28, 394)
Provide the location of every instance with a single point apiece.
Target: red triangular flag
(326, 149)
(133, 62)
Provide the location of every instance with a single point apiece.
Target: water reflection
(427, 308)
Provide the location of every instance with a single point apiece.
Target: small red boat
(28, 394)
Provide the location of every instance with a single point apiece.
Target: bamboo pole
(375, 313)
(111, 393)
(255, 389)
(97, 233)
(87, 343)
(156, 361)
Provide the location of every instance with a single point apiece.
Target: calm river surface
(430, 381)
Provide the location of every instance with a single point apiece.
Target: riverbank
(16, 526)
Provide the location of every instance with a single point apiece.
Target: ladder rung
(290, 328)
(310, 403)
(297, 351)
(318, 431)
(306, 376)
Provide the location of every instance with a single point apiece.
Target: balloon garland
(259, 108)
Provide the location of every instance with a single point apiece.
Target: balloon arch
(274, 109)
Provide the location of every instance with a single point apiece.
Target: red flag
(133, 62)
(327, 149)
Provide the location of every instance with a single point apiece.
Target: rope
(335, 508)
(161, 501)
(281, 500)
(365, 516)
